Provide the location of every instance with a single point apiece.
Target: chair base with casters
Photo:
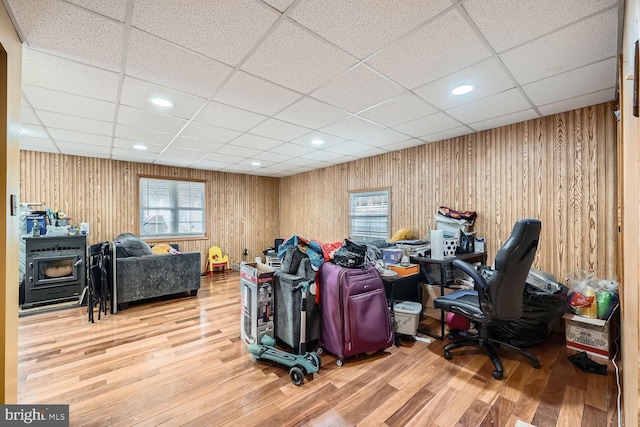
(498, 296)
(491, 345)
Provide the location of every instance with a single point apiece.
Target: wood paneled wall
(561, 169)
(242, 209)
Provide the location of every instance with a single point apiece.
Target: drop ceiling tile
(183, 153)
(277, 129)
(224, 158)
(34, 131)
(229, 117)
(580, 81)
(382, 138)
(37, 144)
(254, 141)
(80, 137)
(210, 165)
(357, 89)
(302, 162)
(525, 20)
(297, 59)
(28, 117)
(580, 44)
(328, 140)
(426, 125)
(133, 155)
(113, 8)
(64, 103)
(69, 31)
(290, 149)
(352, 127)
(363, 27)
(349, 147)
(507, 119)
(311, 113)
(87, 149)
(486, 77)
(235, 150)
(405, 144)
(251, 93)
(155, 60)
(594, 98)
(168, 160)
(143, 135)
(400, 109)
(493, 106)
(323, 155)
(426, 55)
(196, 144)
(271, 157)
(128, 144)
(239, 169)
(149, 120)
(64, 75)
(447, 134)
(209, 132)
(79, 124)
(138, 93)
(280, 5)
(225, 31)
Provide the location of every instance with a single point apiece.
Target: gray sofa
(140, 275)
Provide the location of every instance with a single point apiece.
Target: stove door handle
(79, 262)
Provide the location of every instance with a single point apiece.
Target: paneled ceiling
(259, 81)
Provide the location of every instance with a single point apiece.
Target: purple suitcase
(354, 315)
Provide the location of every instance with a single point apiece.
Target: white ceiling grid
(260, 81)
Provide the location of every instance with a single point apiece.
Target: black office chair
(497, 297)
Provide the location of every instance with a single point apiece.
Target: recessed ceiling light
(255, 163)
(461, 90)
(140, 147)
(161, 102)
(317, 142)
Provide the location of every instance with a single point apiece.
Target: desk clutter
(352, 298)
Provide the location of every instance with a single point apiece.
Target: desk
(443, 263)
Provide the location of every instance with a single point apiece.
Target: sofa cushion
(129, 245)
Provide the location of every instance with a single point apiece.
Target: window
(171, 208)
(369, 215)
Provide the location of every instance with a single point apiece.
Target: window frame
(173, 237)
(371, 192)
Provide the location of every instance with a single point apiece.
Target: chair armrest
(480, 284)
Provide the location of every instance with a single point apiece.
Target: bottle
(35, 231)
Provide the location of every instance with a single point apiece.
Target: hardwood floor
(181, 362)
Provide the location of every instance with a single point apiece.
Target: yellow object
(592, 310)
(161, 248)
(216, 259)
(402, 234)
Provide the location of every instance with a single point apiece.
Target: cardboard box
(256, 298)
(392, 255)
(405, 270)
(407, 317)
(429, 293)
(590, 335)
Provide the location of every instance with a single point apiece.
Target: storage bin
(407, 317)
(392, 255)
(590, 335)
